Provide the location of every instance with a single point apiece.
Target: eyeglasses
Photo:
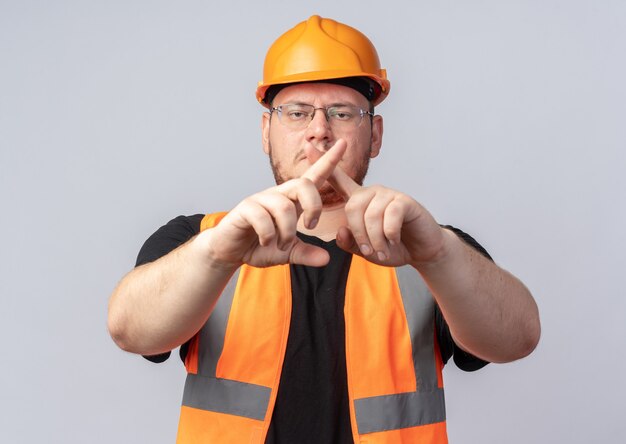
(341, 117)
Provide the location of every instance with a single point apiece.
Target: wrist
(442, 256)
(204, 245)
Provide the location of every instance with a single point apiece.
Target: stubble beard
(328, 194)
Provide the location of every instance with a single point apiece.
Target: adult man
(314, 310)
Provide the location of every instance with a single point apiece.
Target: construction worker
(320, 310)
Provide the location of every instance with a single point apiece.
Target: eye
(342, 113)
(296, 115)
(296, 112)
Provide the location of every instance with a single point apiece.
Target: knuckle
(360, 192)
(374, 210)
(314, 206)
(354, 204)
(394, 209)
(283, 207)
(375, 189)
(296, 182)
(282, 214)
(350, 205)
(250, 200)
(392, 231)
(265, 239)
(360, 238)
(305, 182)
(265, 231)
(372, 221)
(404, 199)
(302, 183)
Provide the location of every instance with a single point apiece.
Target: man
(320, 310)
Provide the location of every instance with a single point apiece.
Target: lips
(299, 156)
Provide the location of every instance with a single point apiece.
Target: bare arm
(160, 305)
(491, 314)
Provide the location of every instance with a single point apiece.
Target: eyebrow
(335, 104)
(342, 104)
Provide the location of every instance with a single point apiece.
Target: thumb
(345, 241)
(307, 254)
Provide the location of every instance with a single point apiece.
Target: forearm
(160, 305)
(491, 314)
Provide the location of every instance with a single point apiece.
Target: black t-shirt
(312, 402)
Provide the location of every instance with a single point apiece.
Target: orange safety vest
(393, 361)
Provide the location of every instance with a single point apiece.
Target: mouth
(299, 156)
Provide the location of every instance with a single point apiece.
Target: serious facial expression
(285, 146)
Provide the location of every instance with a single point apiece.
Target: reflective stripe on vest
(426, 404)
(392, 359)
(207, 392)
(394, 365)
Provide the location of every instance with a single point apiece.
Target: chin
(330, 196)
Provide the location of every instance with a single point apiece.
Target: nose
(319, 132)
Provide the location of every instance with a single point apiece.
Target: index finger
(339, 179)
(325, 164)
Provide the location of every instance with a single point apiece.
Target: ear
(377, 135)
(265, 132)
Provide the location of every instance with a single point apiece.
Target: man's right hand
(261, 230)
(160, 305)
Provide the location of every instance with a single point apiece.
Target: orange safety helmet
(322, 49)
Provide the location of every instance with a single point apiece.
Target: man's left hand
(385, 226)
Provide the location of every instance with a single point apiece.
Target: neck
(331, 219)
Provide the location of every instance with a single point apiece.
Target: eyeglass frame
(278, 108)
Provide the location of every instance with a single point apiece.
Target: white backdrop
(506, 119)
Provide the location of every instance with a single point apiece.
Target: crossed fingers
(274, 213)
(306, 196)
(338, 178)
(375, 215)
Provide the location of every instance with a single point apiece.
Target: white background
(505, 118)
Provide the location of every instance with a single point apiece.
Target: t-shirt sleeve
(164, 240)
(169, 237)
(448, 348)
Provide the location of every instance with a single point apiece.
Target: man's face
(285, 146)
